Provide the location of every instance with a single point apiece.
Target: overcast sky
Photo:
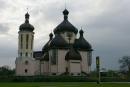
(106, 24)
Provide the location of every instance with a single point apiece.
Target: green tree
(6, 71)
(125, 64)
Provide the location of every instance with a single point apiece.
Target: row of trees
(6, 71)
(125, 66)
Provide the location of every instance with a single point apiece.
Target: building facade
(63, 54)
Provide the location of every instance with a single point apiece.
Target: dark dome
(81, 43)
(26, 26)
(58, 42)
(73, 54)
(65, 25)
(47, 45)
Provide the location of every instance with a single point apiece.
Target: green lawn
(63, 84)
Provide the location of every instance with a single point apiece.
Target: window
(26, 62)
(66, 69)
(53, 73)
(54, 57)
(69, 34)
(26, 54)
(20, 54)
(27, 37)
(26, 71)
(32, 42)
(21, 41)
(89, 59)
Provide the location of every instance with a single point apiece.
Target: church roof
(81, 43)
(26, 26)
(65, 25)
(73, 54)
(58, 42)
(47, 45)
(37, 55)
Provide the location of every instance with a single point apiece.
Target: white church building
(63, 54)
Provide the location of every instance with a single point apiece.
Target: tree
(6, 71)
(125, 64)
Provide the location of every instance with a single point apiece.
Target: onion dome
(26, 26)
(46, 46)
(73, 54)
(58, 42)
(81, 43)
(65, 25)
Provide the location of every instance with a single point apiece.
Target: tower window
(27, 37)
(21, 41)
(26, 71)
(20, 54)
(26, 54)
(32, 42)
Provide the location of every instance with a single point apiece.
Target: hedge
(58, 79)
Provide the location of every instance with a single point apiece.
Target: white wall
(32, 67)
(61, 61)
(84, 62)
(45, 68)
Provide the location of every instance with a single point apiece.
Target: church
(63, 54)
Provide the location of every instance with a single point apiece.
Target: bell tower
(25, 63)
(26, 36)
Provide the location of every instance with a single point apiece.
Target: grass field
(63, 84)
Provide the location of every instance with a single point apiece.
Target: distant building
(63, 54)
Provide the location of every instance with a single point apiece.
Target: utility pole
(98, 69)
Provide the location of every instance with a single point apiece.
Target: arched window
(26, 54)
(66, 69)
(21, 44)
(54, 57)
(21, 54)
(32, 42)
(26, 62)
(26, 71)
(27, 37)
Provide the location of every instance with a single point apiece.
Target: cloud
(3, 28)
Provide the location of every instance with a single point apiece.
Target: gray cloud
(110, 34)
(3, 28)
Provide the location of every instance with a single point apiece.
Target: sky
(106, 25)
